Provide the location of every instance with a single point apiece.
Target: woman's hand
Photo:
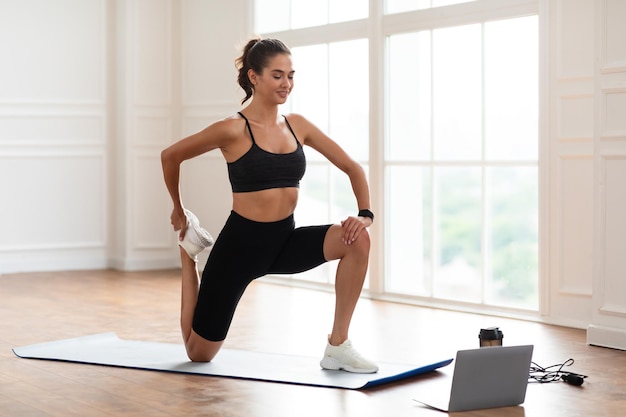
(179, 222)
(352, 226)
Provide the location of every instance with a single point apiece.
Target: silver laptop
(488, 377)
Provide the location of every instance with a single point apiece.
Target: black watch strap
(366, 213)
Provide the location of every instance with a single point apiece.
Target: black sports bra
(259, 169)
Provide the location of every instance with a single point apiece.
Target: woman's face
(275, 83)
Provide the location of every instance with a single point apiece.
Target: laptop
(488, 377)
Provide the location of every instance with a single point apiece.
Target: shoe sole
(191, 249)
(204, 236)
(333, 364)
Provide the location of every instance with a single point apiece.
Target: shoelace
(352, 352)
(200, 234)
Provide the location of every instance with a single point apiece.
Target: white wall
(570, 116)
(212, 36)
(53, 135)
(608, 326)
(92, 90)
(175, 74)
(586, 58)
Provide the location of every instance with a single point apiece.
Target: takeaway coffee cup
(491, 336)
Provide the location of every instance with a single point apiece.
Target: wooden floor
(40, 307)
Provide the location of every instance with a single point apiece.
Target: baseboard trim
(609, 337)
(144, 264)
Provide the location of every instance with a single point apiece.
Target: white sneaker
(345, 357)
(196, 238)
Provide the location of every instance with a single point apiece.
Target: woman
(265, 159)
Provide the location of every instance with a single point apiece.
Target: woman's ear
(252, 76)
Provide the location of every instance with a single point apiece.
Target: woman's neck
(267, 115)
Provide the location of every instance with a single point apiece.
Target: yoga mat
(109, 350)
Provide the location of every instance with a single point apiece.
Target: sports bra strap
(248, 125)
(290, 129)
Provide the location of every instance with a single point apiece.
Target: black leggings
(246, 250)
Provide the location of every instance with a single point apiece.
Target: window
(332, 97)
(280, 15)
(461, 163)
(459, 205)
(397, 6)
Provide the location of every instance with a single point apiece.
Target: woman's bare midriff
(266, 205)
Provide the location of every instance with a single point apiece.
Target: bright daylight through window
(460, 162)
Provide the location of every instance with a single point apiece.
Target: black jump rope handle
(573, 379)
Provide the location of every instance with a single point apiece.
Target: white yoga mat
(109, 350)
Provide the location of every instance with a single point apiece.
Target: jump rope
(555, 373)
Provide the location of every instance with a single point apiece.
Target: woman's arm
(217, 135)
(312, 136)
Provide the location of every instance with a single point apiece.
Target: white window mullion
(434, 196)
(376, 163)
(434, 232)
(484, 270)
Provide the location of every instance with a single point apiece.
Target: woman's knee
(199, 355)
(336, 248)
(361, 246)
(200, 349)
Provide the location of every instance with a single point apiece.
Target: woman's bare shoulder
(228, 125)
(224, 130)
(304, 128)
(295, 117)
(299, 122)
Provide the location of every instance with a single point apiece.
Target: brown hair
(255, 56)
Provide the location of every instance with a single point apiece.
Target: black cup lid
(491, 333)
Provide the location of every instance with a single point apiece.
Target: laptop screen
(490, 377)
